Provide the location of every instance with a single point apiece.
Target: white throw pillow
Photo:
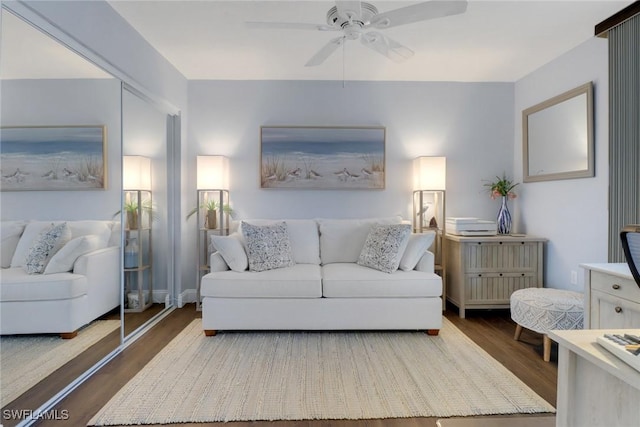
(231, 249)
(45, 246)
(10, 233)
(303, 235)
(268, 246)
(417, 246)
(385, 246)
(66, 257)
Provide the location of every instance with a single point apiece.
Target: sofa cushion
(385, 246)
(78, 228)
(268, 246)
(416, 247)
(17, 285)
(232, 251)
(66, 257)
(298, 281)
(45, 246)
(303, 235)
(10, 233)
(350, 280)
(341, 240)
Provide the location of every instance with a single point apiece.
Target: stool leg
(518, 332)
(546, 347)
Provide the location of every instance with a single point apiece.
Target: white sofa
(326, 289)
(80, 283)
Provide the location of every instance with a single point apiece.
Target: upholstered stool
(544, 309)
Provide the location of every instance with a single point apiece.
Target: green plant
(209, 206)
(502, 187)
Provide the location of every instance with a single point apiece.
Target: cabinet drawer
(616, 286)
(504, 256)
(496, 287)
(610, 312)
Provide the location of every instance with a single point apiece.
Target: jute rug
(25, 360)
(318, 375)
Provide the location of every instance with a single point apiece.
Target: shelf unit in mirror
(138, 283)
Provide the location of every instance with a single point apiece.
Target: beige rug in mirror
(26, 360)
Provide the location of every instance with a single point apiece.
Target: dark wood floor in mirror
(52, 384)
(492, 330)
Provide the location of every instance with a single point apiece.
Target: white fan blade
(325, 52)
(289, 26)
(418, 12)
(349, 10)
(386, 46)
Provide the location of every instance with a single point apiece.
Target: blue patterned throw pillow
(45, 246)
(268, 246)
(384, 247)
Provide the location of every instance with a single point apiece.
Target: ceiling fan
(355, 18)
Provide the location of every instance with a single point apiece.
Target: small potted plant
(211, 217)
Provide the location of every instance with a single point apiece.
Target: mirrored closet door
(45, 84)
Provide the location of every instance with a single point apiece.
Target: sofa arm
(103, 272)
(217, 263)
(106, 259)
(427, 263)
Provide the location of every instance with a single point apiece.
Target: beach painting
(325, 158)
(53, 158)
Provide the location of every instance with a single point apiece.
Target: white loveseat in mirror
(74, 286)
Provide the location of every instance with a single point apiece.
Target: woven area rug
(25, 360)
(246, 376)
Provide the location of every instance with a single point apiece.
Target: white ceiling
(491, 41)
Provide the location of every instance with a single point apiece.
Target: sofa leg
(68, 335)
(433, 332)
(210, 332)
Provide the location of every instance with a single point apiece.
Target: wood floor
(492, 330)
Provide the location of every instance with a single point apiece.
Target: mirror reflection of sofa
(57, 276)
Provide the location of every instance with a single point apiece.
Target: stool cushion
(544, 309)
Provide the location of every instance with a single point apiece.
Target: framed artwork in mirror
(53, 158)
(557, 137)
(322, 158)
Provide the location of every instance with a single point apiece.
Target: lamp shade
(213, 173)
(430, 173)
(136, 173)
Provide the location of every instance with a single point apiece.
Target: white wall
(469, 123)
(65, 102)
(573, 213)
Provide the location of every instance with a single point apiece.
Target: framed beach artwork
(322, 158)
(53, 158)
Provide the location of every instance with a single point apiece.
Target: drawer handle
(616, 286)
(500, 242)
(500, 274)
(618, 309)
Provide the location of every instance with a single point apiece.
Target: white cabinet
(612, 297)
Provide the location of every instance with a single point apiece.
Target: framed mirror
(557, 137)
